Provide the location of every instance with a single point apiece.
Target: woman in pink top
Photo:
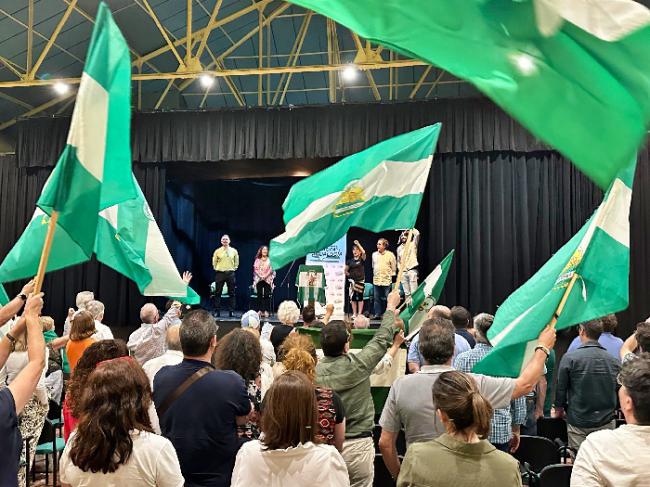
(263, 275)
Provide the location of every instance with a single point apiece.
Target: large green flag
(426, 296)
(377, 189)
(129, 241)
(575, 73)
(598, 255)
(94, 170)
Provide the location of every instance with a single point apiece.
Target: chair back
(537, 452)
(553, 429)
(368, 290)
(556, 475)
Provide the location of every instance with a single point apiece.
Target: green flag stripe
(386, 179)
(413, 146)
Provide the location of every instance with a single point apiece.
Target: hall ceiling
(261, 53)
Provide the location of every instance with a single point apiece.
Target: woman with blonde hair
(461, 457)
(288, 314)
(81, 332)
(300, 355)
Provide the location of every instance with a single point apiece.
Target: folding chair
(535, 453)
(49, 444)
(556, 475)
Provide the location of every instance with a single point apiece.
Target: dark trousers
(263, 296)
(530, 427)
(505, 447)
(227, 277)
(380, 294)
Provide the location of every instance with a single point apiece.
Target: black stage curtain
(282, 133)
(19, 190)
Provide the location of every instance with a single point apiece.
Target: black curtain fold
(470, 125)
(19, 190)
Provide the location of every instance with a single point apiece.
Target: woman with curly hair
(114, 443)
(81, 332)
(94, 354)
(240, 352)
(300, 354)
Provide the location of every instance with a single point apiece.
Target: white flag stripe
(615, 217)
(388, 178)
(431, 280)
(503, 333)
(110, 215)
(89, 124)
(165, 278)
(528, 354)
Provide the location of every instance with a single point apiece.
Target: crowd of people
(176, 406)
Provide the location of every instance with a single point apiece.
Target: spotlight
(61, 88)
(350, 73)
(206, 80)
(525, 63)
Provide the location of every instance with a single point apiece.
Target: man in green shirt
(348, 374)
(225, 262)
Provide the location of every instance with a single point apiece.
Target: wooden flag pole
(45, 255)
(560, 307)
(407, 253)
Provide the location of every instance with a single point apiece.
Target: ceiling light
(61, 88)
(206, 80)
(350, 73)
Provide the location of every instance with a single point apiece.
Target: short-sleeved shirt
(153, 462)
(75, 349)
(330, 413)
(356, 270)
(201, 423)
(10, 439)
(410, 402)
(278, 335)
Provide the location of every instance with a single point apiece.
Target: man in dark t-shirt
(202, 422)
(462, 320)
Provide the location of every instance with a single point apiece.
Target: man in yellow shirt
(225, 262)
(384, 267)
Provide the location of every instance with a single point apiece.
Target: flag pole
(563, 301)
(45, 255)
(403, 260)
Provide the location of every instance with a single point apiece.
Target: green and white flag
(4, 299)
(377, 189)
(426, 296)
(130, 242)
(600, 256)
(94, 170)
(576, 73)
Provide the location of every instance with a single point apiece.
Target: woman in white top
(113, 444)
(287, 456)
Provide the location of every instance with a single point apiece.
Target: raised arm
(23, 386)
(12, 308)
(535, 368)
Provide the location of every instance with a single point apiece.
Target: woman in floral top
(263, 275)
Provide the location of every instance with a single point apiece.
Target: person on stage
(356, 274)
(410, 274)
(225, 262)
(384, 267)
(263, 276)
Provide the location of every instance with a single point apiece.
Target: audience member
(462, 320)
(607, 339)
(32, 419)
(460, 457)
(384, 267)
(414, 358)
(251, 320)
(114, 443)
(55, 364)
(96, 309)
(308, 315)
(199, 407)
(362, 322)
(349, 375)
(81, 332)
(288, 455)
(288, 314)
(586, 386)
(173, 355)
(621, 457)
(83, 297)
(240, 352)
(639, 340)
(409, 405)
(94, 354)
(14, 397)
(148, 341)
(301, 355)
(506, 423)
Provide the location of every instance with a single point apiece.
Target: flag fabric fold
(377, 189)
(426, 296)
(94, 170)
(599, 256)
(575, 73)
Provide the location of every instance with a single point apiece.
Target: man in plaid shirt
(506, 423)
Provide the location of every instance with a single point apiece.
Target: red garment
(326, 415)
(69, 421)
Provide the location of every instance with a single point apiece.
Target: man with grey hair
(96, 309)
(410, 403)
(173, 355)
(148, 341)
(83, 297)
(199, 407)
(505, 428)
